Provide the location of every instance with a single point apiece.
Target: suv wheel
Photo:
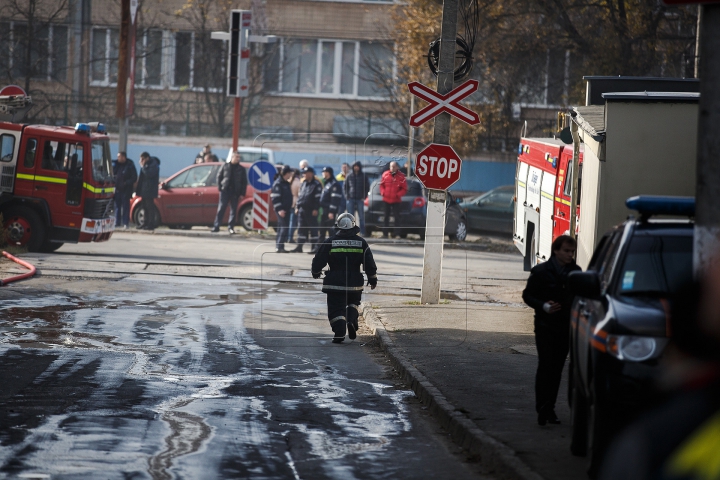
(579, 436)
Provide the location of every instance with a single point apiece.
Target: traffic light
(239, 53)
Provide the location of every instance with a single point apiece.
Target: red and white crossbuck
(444, 103)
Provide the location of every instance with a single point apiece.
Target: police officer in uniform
(307, 207)
(282, 199)
(345, 252)
(331, 202)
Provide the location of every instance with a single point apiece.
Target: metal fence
(203, 119)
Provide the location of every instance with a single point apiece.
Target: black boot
(338, 327)
(297, 249)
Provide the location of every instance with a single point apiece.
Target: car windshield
(101, 162)
(656, 265)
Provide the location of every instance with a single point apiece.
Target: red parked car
(190, 197)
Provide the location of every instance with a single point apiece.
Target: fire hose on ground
(23, 276)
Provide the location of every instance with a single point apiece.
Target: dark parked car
(619, 322)
(492, 211)
(190, 197)
(413, 211)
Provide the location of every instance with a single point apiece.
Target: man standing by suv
(232, 183)
(147, 190)
(392, 188)
(356, 188)
(125, 177)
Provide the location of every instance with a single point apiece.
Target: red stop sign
(438, 166)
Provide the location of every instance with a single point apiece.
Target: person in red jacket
(392, 188)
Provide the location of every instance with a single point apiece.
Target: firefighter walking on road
(345, 253)
(307, 207)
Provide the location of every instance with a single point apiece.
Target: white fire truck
(635, 143)
(56, 183)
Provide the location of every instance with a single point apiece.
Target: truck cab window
(53, 155)
(30, 152)
(7, 147)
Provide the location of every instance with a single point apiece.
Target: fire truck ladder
(14, 107)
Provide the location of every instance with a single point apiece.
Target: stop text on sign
(437, 167)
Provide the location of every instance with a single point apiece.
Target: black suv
(413, 211)
(620, 318)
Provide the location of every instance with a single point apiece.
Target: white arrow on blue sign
(261, 175)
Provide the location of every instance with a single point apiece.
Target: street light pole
(435, 222)
(707, 212)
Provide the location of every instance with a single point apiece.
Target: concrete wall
(477, 176)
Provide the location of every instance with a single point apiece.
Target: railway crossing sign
(447, 103)
(438, 166)
(261, 175)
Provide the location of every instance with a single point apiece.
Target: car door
(492, 212)
(181, 198)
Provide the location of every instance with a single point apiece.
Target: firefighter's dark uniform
(331, 201)
(308, 201)
(345, 252)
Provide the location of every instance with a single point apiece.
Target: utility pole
(121, 91)
(435, 236)
(707, 212)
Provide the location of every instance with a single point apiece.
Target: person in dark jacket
(355, 188)
(548, 294)
(331, 201)
(282, 200)
(345, 252)
(125, 175)
(232, 183)
(147, 190)
(306, 208)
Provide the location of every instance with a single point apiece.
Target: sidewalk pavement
(473, 365)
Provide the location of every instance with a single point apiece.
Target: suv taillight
(419, 202)
(367, 201)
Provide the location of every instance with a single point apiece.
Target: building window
(199, 62)
(48, 46)
(148, 58)
(104, 56)
(329, 68)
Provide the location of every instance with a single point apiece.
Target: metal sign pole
(435, 222)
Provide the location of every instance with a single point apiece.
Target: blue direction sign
(261, 175)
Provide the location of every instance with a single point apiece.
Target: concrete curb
(493, 454)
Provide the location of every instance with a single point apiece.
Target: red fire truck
(56, 183)
(544, 193)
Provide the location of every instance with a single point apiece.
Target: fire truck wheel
(245, 216)
(24, 228)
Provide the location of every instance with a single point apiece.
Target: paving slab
(475, 364)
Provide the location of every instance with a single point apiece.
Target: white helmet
(345, 222)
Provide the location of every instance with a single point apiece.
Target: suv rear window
(656, 265)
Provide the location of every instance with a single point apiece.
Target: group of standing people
(299, 198)
(144, 185)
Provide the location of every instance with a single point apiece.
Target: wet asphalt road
(138, 375)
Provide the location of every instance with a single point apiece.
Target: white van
(253, 154)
